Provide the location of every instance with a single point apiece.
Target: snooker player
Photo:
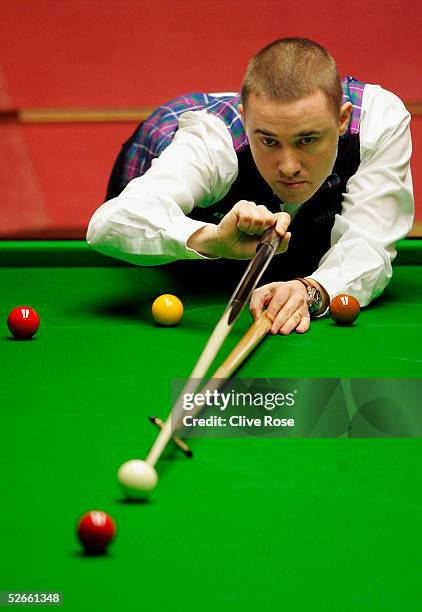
(325, 161)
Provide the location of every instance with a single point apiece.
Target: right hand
(239, 232)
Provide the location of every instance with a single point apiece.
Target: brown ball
(344, 309)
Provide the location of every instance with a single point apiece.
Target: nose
(289, 165)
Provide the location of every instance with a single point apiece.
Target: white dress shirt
(147, 223)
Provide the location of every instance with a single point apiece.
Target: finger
(282, 223)
(260, 298)
(263, 305)
(263, 220)
(254, 221)
(304, 325)
(277, 307)
(256, 305)
(284, 244)
(268, 299)
(243, 212)
(243, 205)
(291, 324)
(281, 320)
(285, 307)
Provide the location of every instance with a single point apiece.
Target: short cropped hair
(292, 68)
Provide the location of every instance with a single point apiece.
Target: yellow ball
(167, 309)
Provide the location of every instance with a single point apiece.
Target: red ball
(23, 322)
(344, 309)
(96, 529)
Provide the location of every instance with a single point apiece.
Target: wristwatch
(314, 300)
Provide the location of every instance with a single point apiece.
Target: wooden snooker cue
(254, 335)
(256, 332)
(264, 253)
(207, 356)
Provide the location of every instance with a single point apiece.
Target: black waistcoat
(312, 225)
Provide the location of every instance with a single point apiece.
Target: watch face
(315, 300)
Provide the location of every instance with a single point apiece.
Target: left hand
(286, 304)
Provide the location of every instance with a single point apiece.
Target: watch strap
(314, 299)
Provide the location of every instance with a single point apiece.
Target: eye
(269, 142)
(307, 140)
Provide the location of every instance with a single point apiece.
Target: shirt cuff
(180, 231)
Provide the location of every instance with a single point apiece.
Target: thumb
(284, 244)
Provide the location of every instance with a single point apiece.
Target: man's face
(294, 145)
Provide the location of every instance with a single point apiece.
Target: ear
(240, 109)
(344, 118)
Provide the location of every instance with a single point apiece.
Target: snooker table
(249, 523)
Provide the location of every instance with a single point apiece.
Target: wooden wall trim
(111, 114)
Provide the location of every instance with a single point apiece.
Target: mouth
(291, 185)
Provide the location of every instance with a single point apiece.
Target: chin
(292, 198)
(296, 198)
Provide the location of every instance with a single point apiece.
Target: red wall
(131, 52)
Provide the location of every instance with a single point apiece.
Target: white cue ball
(137, 477)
